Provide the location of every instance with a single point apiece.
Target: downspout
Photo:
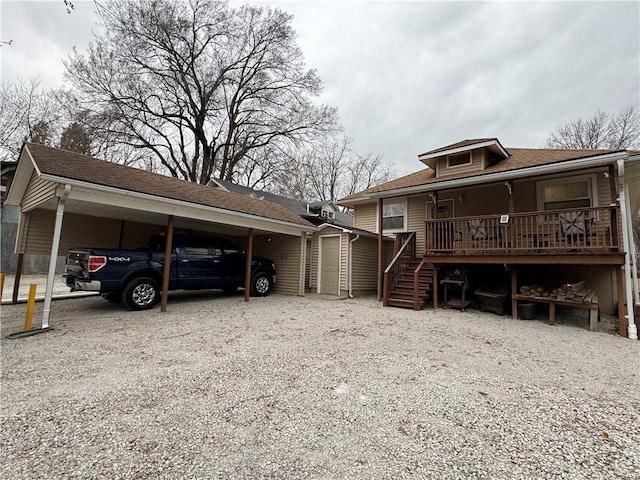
(632, 331)
(351, 265)
(55, 245)
(632, 252)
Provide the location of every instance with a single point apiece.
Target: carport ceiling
(144, 216)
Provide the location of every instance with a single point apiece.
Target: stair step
(410, 290)
(409, 283)
(409, 293)
(403, 303)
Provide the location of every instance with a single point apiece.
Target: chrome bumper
(86, 286)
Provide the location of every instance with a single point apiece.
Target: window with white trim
(394, 216)
(459, 159)
(328, 214)
(567, 193)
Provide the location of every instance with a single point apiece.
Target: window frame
(328, 214)
(592, 185)
(401, 201)
(460, 154)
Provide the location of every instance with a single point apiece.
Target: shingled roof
(70, 165)
(520, 158)
(463, 143)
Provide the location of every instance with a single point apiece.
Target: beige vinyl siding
(137, 234)
(365, 266)
(486, 200)
(308, 263)
(313, 273)
(475, 165)
(344, 263)
(313, 253)
(604, 190)
(77, 231)
(284, 250)
(38, 191)
(525, 196)
(388, 254)
(416, 216)
(365, 217)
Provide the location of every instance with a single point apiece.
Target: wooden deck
(572, 236)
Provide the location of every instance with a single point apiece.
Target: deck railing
(567, 231)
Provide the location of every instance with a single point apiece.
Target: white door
(329, 265)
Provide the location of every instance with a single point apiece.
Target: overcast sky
(408, 77)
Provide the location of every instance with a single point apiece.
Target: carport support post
(16, 281)
(166, 271)
(247, 272)
(55, 246)
(380, 249)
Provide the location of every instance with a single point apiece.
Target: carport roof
(63, 164)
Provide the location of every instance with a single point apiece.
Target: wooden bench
(592, 306)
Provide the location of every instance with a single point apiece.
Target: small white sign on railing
(504, 218)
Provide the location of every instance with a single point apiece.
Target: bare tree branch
(206, 90)
(602, 131)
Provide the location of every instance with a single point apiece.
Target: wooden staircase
(401, 292)
(408, 280)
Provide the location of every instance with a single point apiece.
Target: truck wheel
(141, 293)
(260, 285)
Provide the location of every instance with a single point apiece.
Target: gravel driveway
(288, 387)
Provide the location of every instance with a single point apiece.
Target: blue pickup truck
(134, 277)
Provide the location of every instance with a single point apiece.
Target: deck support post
(514, 291)
(622, 322)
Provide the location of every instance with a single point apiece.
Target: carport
(70, 200)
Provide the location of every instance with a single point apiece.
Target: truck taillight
(96, 263)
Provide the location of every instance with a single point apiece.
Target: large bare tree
(26, 113)
(330, 171)
(602, 131)
(200, 89)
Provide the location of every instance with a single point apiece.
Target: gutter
(566, 166)
(351, 265)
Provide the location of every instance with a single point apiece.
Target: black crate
(493, 299)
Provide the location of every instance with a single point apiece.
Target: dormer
(464, 157)
(326, 209)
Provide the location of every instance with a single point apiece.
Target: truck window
(196, 251)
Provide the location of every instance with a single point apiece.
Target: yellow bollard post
(30, 305)
(1, 284)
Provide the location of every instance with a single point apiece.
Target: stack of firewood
(575, 292)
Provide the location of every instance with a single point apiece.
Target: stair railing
(416, 284)
(397, 266)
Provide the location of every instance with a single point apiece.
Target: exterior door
(445, 209)
(444, 235)
(330, 265)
